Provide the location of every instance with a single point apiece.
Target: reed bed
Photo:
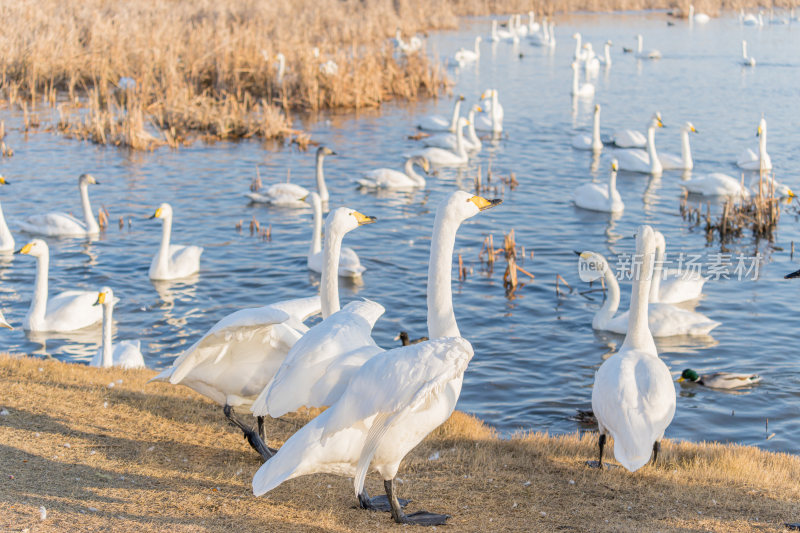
(158, 72)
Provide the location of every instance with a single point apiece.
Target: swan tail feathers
(379, 427)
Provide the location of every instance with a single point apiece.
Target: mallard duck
(719, 380)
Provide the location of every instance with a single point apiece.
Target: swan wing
(443, 140)
(299, 310)
(385, 178)
(434, 123)
(633, 160)
(128, 354)
(630, 139)
(667, 320)
(680, 286)
(671, 161)
(292, 190)
(71, 310)
(592, 196)
(716, 184)
(349, 263)
(53, 224)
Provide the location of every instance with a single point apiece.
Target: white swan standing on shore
(639, 161)
(633, 396)
(293, 195)
(600, 197)
(123, 354)
(67, 311)
(62, 224)
(387, 178)
(6, 239)
(172, 261)
(582, 141)
(750, 160)
(397, 398)
(665, 320)
(349, 263)
(441, 123)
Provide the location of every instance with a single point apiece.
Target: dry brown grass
(156, 457)
(209, 67)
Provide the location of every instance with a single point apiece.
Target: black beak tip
(795, 274)
(17, 252)
(576, 252)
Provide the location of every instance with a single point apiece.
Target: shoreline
(139, 457)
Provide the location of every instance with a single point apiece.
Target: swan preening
(62, 224)
(172, 261)
(292, 195)
(639, 161)
(750, 160)
(396, 398)
(124, 354)
(349, 263)
(387, 178)
(633, 396)
(67, 311)
(599, 197)
(592, 142)
(441, 123)
(6, 239)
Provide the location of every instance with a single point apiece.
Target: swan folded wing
(400, 379)
(746, 157)
(434, 123)
(128, 354)
(385, 178)
(349, 263)
(299, 310)
(188, 255)
(73, 310)
(667, 320)
(241, 326)
(54, 224)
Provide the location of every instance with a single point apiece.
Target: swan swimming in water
(349, 263)
(747, 61)
(291, 194)
(665, 320)
(645, 54)
(66, 311)
(716, 184)
(6, 239)
(123, 354)
(582, 141)
(683, 161)
(441, 123)
(633, 397)
(639, 161)
(173, 261)
(396, 398)
(671, 286)
(749, 160)
(387, 178)
(492, 117)
(632, 138)
(62, 224)
(448, 141)
(582, 90)
(439, 157)
(598, 197)
(464, 56)
(700, 18)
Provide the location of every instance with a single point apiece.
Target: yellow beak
(483, 204)
(363, 219)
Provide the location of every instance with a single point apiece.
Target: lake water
(535, 354)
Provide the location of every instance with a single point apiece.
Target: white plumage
(63, 224)
(173, 261)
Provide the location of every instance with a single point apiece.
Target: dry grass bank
(209, 67)
(138, 457)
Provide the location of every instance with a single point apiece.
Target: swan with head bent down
(62, 224)
(172, 261)
(67, 311)
(387, 178)
(639, 161)
(665, 320)
(233, 362)
(291, 194)
(633, 396)
(349, 263)
(123, 354)
(396, 398)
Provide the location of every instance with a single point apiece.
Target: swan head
(478, 39)
(105, 296)
(609, 43)
(488, 93)
(576, 35)
(661, 243)
(462, 205)
(3, 180)
(423, 162)
(36, 248)
(655, 120)
(87, 179)
(322, 151)
(588, 46)
(689, 375)
(690, 127)
(591, 266)
(596, 108)
(574, 66)
(344, 219)
(462, 122)
(762, 127)
(164, 211)
(614, 165)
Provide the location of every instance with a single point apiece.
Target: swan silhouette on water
(746, 60)
(665, 320)
(750, 160)
(600, 197)
(66, 311)
(633, 397)
(124, 354)
(582, 141)
(172, 261)
(387, 178)
(62, 224)
(233, 362)
(349, 263)
(6, 239)
(396, 398)
(291, 194)
(638, 160)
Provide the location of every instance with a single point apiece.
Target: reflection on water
(535, 355)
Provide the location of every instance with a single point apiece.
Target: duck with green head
(719, 380)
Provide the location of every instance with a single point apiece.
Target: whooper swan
(172, 261)
(124, 354)
(62, 224)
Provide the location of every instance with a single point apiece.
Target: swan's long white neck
(577, 46)
(281, 67)
(108, 348)
(744, 49)
(574, 81)
(456, 113)
(686, 150)
(471, 133)
(597, 144)
(6, 239)
(494, 31)
(163, 250)
(762, 148)
(460, 150)
(655, 163)
(329, 289)
(316, 235)
(639, 40)
(411, 173)
(321, 187)
(441, 316)
(608, 54)
(612, 187)
(658, 273)
(38, 307)
(496, 126)
(639, 336)
(91, 223)
(610, 306)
